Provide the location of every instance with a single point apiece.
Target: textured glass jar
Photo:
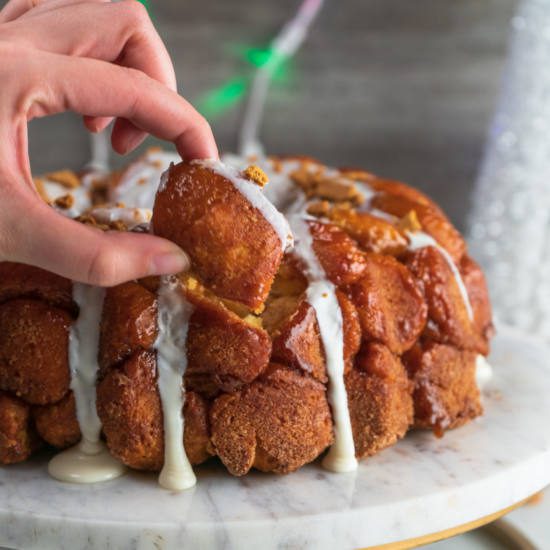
(510, 220)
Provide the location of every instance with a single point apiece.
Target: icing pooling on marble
(85, 463)
(174, 312)
(89, 461)
(255, 196)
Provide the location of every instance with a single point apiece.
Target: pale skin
(103, 60)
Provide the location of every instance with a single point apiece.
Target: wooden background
(403, 88)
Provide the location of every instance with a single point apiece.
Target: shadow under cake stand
(421, 490)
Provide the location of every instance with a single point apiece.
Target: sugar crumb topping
(360, 175)
(318, 208)
(89, 220)
(409, 222)
(315, 182)
(65, 202)
(256, 174)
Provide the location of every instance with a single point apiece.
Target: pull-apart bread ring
(370, 324)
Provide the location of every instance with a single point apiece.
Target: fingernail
(169, 263)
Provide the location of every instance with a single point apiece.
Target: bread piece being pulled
(218, 217)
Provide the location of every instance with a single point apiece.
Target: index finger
(63, 27)
(97, 88)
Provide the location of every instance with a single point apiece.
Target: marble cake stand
(420, 490)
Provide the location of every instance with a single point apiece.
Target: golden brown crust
(129, 323)
(339, 255)
(25, 281)
(278, 423)
(448, 322)
(476, 286)
(371, 232)
(403, 191)
(129, 407)
(17, 437)
(314, 180)
(399, 199)
(297, 342)
(57, 424)
(224, 352)
(379, 399)
(390, 304)
(196, 435)
(445, 390)
(33, 351)
(233, 248)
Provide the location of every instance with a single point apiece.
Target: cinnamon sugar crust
(256, 382)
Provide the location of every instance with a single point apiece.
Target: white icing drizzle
(418, 240)
(139, 182)
(484, 371)
(174, 312)
(130, 217)
(255, 196)
(89, 461)
(281, 190)
(368, 194)
(321, 295)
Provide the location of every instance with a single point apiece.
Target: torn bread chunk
(233, 247)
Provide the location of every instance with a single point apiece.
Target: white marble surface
(420, 486)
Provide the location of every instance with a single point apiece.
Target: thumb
(89, 255)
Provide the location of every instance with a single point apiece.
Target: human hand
(101, 60)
